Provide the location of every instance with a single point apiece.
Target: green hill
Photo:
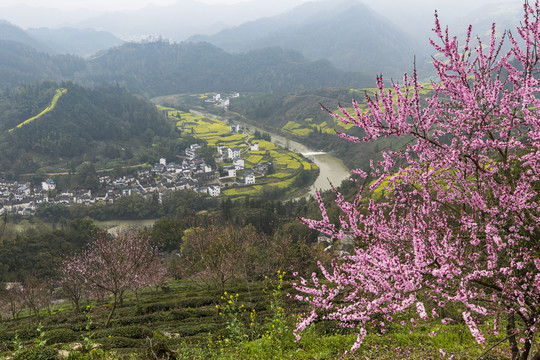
(161, 68)
(76, 122)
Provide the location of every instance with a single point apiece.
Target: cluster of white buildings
(222, 101)
(163, 177)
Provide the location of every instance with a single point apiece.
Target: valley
(256, 179)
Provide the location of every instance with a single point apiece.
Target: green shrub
(132, 320)
(193, 329)
(116, 342)
(37, 353)
(132, 332)
(204, 312)
(162, 306)
(179, 314)
(27, 333)
(61, 335)
(6, 336)
(198, 301)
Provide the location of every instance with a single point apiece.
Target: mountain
(20, 64)
(10, 32)
(161, 68)
(42, 122)
(347, 33)
(82, 42)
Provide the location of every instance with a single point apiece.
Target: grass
(52, 105)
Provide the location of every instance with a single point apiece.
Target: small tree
(14, 300)
(72, 282)
(213, 255)
(116, 264)
(458, 222)
(36, 295)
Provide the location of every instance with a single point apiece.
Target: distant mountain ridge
(347, 33)
(154, 68)
(159, 68)
(82, 42)
(10, 32)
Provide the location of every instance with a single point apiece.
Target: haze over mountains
(370, 37)
(347, 33)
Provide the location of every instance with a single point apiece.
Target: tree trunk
(526, 350)
(113, 307)
(121, 297)
(510, 328)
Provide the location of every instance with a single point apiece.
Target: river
(332, 169)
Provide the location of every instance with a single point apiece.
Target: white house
(234, 127)
(190, 152)
(231, 172)
(254, 146)
(233, 152)
(48, 185)
(163, 161)
(221, 149)
(249, 178)
(214, 190)
(238, 163)
(225, 104)
(24, 190)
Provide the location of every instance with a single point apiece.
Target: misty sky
(104, 4)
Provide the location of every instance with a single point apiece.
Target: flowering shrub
(458, 220)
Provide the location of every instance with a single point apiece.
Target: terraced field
(287, 165)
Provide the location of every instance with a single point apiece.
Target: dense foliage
(41, 253)
(21, 64)
(457, 225)
(161, 68)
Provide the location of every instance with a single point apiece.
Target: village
(162, 178)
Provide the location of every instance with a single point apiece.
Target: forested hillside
(81, 123)
(21, 64)
(160, 68)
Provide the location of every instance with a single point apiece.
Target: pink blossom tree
(458, 223)
(116, 264)
(72, 282)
